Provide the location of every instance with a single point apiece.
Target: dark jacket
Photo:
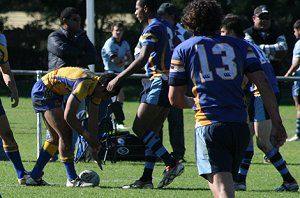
(65, 49)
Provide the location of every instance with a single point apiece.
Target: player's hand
(14, 98)
(279, 135)
(95, 155)
(112, 84)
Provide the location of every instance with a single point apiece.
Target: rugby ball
(90, 176)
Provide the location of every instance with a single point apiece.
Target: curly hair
(106, 78)
(202, 17)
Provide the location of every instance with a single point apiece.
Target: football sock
(46, 153)
(153, 142)
(70, 169)
(245, 164)
(13, 155)
(276, 159)
(298, 127)
(150, 160)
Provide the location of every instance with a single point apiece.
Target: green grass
(262, 179)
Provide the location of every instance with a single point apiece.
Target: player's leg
(240, 180)
(10, 146)
(49, 148)
(221, 184)
(218, 165)
(262, 127)
(295, 93)
(176, 132)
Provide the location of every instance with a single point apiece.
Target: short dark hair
(106, 78)
(235, 23)
(297, 24)
(203, 17)
(118, 24)
(151, 4)
(66, 13)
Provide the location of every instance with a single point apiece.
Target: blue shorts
(296, 85)
(220, 147)
(256, 109)
(44, 99)
(156, 93)
(2, 111)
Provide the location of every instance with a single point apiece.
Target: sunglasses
(264, 17)
(75, 19)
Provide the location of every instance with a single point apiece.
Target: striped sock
(276, 159)
(13, 155)
(153, 142)
(245, 164)
(150, 160)
(298, 127)
(46, 153)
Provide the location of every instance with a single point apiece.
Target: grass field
(261, 182)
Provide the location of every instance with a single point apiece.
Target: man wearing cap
(169, 12)
(272, 42)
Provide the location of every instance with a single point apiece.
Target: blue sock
(245, 164)
(153, 142)
(150, 159)
(70, 169)
(298, 127)
(41, 162)
(15, 158)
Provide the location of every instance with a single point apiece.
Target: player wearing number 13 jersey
(211, 67)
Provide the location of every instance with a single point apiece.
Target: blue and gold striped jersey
(155, 34)
(266, 67)
(77, 81)
(213, 69)
(3, 49)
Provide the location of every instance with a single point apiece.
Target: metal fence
(40, 73)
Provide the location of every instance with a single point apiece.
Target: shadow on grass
(163, 189)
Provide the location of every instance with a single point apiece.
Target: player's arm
(178, 98)
(70, 117)
(293, 67)
(10, 83)
(260, 80)
(135, 66)
(93, 113)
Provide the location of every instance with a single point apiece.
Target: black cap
(167, 8)
(261, 9)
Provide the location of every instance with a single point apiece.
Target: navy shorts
(256, 109)
(2, 111)
(44, 99)
(220, 147)
(156, 93)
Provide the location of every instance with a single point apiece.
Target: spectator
(70, 46)
(9, 143)
(260, 123)
(272, 42)
(169, 12)
(116, 55)
(154, 105)
(295, 70)
(47, 97)
(197, 66)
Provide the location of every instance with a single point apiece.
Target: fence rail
(40, 73)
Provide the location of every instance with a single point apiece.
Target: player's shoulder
(3, 39)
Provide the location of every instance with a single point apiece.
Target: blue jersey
(267, 68)
(3, 49)
(213, 69)
(113, 48)
(158, 64)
